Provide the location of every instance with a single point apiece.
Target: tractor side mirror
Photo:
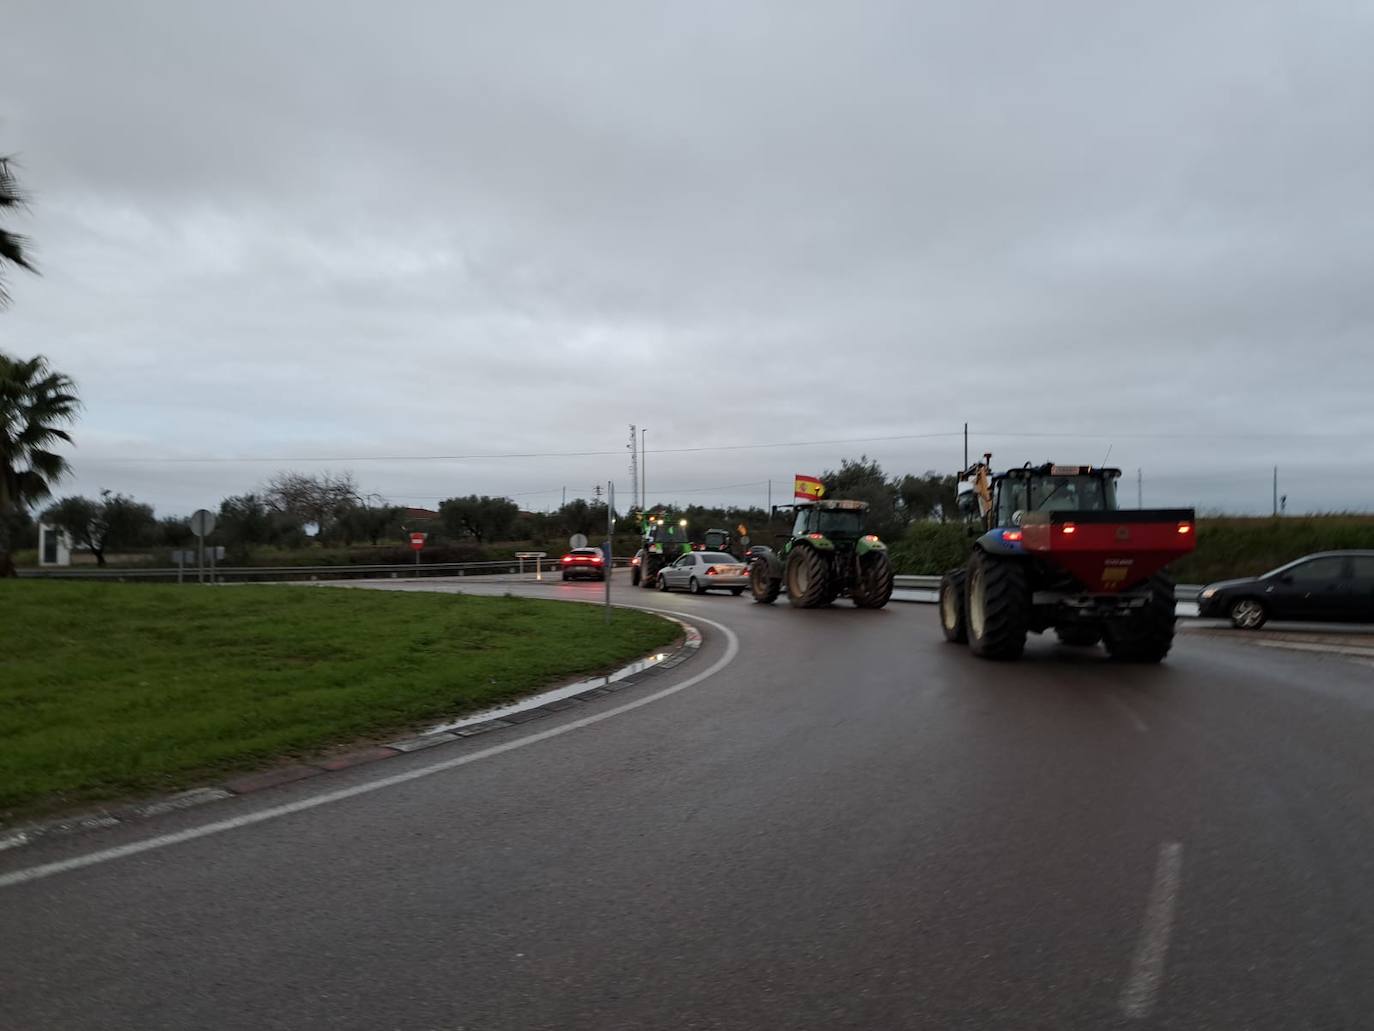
(966, 498)
(1016, 517)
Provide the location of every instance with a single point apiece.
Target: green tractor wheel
(764, 586)
(808, 578)
(873, 584)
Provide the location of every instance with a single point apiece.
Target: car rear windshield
(587, 552)
(719, 556)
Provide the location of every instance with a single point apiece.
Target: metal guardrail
(905, 582)
(401, 570)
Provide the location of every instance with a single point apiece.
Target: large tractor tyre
(1148, 634)
(1248, 614)
(763, 585)
(808, 578)
(873, 583)
(952, 615)
(1079, 636)
(998, 606)
(634, 576)
(647, 575)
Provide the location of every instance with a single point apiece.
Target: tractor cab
(835, 520)
(1052, 488)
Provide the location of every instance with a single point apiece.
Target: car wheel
(694, 586)
(1248, 614)
(662, 583)
(565, 576)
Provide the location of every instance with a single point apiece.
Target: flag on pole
(808, 487)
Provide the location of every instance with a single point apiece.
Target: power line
(217, 459)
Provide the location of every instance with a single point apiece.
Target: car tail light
(1185, 527)
(567, 558)
(710, 570)
(1011, 535)
(1069, 528)
(598, 559)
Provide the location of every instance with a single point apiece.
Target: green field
(112, 690)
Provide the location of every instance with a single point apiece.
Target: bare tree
(313, 499)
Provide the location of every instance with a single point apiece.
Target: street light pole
(644, 468)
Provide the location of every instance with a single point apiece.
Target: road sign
(577, 540)
(417, 540)
(202, 522)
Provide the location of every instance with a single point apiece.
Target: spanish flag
(808, 487)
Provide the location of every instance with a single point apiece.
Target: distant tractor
(1055, 552)
(827, 555)
(663, 544)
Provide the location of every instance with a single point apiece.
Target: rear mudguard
(994, 542)
(772, 562)
(863, 547)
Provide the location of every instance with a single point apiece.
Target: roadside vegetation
(114, 690)
(1227, 546)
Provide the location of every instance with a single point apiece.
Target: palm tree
(11, 244)
(35, 403)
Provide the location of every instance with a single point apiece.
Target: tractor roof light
(1185, 527)
(872, 538)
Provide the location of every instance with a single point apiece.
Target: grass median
(114, 690)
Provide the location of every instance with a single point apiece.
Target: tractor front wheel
(763, 585)
(1148, 634)
(998, 606)
(873, 585)
(808, 579)
(952, 620)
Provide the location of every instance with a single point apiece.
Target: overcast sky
(329, 232)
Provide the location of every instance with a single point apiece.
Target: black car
(584, 562)
(1329, 587)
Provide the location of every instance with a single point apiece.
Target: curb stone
(250, 783)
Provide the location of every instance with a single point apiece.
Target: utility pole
(1276, 492)
(596, 491)
(770, 499)
(565, 497)
(1139, 488)
(644, 466)
(633, 445)
(610, 537)
(965, 466)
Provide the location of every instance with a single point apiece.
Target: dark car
(588, 563)
(1329, 587)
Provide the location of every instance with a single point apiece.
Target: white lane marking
(1147, 966)
(1130, 712)
(35, 873)
(1326, 649)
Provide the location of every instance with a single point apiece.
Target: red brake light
(1011, 535)
(1069, 528)
(815, 536)
(567, 558)
(1185, 527)
(710, 570)
(598, 559)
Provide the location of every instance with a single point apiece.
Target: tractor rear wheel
(1147, 635)
(634, 576)
(1078, 636)
(998, 606)
(808, 579)
(952, 614)
(763, 585)
(873, 584)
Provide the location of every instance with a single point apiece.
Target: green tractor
(827, 555)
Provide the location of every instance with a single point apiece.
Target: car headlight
(1207, 593)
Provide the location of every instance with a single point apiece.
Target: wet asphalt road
(851, 825)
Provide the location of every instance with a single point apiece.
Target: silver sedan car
(702, 571)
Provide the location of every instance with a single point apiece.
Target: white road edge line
(1130, 712)
(1147, 965)
(36, 873)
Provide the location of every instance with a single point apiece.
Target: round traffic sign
(202, 522)
(577, 540)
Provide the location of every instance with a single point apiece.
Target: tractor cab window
(1072, 494)
(800, 525)
(842, 522)
(1010, 498)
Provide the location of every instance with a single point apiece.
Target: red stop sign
(417, 540)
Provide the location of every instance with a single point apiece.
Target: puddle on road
(544, 697)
